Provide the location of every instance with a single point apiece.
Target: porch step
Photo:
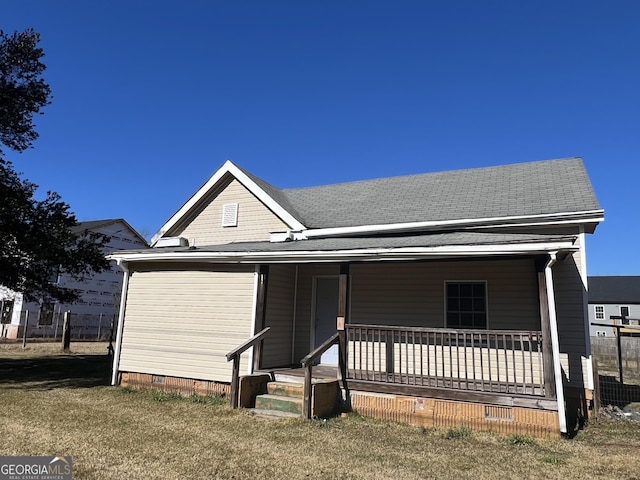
(280, 403)
(288, 397)
(286, 389)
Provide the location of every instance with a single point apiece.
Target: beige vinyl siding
(182, 322)
(279, 316)
(304, 304)
(412, 294)
(204, 226)
(570, 315)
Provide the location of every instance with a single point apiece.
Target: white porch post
(123, 300)
(555, 343)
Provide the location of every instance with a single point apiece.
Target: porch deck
(295, 374)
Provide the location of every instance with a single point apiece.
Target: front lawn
(54, 403)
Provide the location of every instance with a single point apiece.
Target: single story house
(448, 298)
(613, 296)
(94, 312)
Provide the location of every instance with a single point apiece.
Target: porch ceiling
(450, 244)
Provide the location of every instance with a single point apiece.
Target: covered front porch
(386, 329)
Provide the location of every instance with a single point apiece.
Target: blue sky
(151, 97)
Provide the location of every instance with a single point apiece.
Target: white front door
(326, 312)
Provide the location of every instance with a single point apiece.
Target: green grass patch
(208, 400)
(524, 440)
(457, 432)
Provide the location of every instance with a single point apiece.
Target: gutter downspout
(585, 306)
(123, 300)
(555, 342)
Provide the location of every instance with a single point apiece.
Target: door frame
(312, 330)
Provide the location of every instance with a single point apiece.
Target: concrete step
(279, 403)
(286, 389)
(273, 414)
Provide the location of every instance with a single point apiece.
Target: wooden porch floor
(330, 372)
(460, 384)
(296, 374)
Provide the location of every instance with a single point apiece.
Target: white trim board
(229, 168)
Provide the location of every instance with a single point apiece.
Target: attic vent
(230, 215)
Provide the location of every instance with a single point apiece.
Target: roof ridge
(426, 174)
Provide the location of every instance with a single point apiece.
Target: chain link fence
(87, 327)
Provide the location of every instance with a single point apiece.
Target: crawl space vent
(230, 215)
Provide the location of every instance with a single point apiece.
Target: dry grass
(53, 403)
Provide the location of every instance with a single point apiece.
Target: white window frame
(596, 313)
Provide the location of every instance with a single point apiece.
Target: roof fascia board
(407, 253)
(239, 175)
(542, 219)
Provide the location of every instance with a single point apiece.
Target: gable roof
(614, 289)
(539, 192)
(95, 224)
(525, 189)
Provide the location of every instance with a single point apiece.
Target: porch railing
(234, 355)
(495, 361)
(307, 364)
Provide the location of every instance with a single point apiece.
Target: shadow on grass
(55, 371)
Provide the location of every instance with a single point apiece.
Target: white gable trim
(229, 168)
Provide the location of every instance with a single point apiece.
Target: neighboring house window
(7, 311)
(466, 304)
(624, 312)
(599, 312)
(46, 314)
(230, 215)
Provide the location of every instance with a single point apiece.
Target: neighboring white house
(99, 294)
(612, 296)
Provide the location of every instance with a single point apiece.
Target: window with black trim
(466, 304)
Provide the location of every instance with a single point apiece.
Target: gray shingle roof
(614, 289)
(465, 238)
(545, 187)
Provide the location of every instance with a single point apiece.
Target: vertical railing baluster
(524, 366)
(540, 363)
(458, 359)
(466, 364)
(515, 366)
(366, 351)
(429, 359)
(421, 360)
(506, 361)
(482, 375)
(497, 343)
(531, 362)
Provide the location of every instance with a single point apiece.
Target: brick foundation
(429, 412)
(184, 386)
